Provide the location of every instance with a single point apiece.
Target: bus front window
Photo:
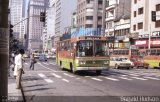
(85, 48)
(101, 48)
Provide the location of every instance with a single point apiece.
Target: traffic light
(153, 16)
(42, 16)
(11, 31)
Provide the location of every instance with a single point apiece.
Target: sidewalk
(14, 94)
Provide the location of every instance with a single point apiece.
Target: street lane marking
(96, 79)
(139, 78)
(48, 68)
(49, 80)
(87, 76)
(68, 75)
(124, 75)
(52, 63)
(134, 74)
(26, 63)
(78, 78)
(152, 78)
(111, 79)
(45, 63)
(66, 80)
(42, 75)
(55, 75)
(125, 78)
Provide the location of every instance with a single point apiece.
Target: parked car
(42, 57)
(139, 63)
(121, 62)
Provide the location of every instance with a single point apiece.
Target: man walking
(19, 67)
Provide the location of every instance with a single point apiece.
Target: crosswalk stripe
(26, 63)
(124, 75)
(66, 80)
(42, 75)
(96, 79)
(134, 74)
(111, 79)
(57, 76)
(68, 75)
(49, 80)
(152, 78)
(139, 78)
(125, 78)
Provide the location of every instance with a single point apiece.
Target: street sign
(133, 35)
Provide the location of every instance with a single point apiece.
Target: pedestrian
(19, 67)
(32, 60)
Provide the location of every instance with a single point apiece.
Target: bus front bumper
(92, 68)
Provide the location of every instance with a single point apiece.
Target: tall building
(64, 9)
(49, 29)
(35, 27)
(89, 13)
(17, 14)
(115, 9)
(141, 23)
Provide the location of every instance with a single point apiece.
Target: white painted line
(96, 79)
(39, 63)
(87, 76)
(78, 78)
(124, 75)
(111, 79)
(42, 75)
(68, 75)
(26, 63)
(45, 63)
(134, 74)
(48, 68)
(139, 78)
(48, 80)
(52, 63)
(125, 78)
(152, 78)
(66, 80)
(55, 75)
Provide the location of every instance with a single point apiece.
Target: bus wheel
(72, 68)
(98, 72)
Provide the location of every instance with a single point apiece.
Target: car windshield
(121, 59)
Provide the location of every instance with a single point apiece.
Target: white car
(121, 62)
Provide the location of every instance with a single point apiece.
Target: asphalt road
(48, 83)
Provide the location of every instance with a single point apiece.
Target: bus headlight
(82, 62)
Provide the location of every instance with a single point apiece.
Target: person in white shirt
(18, 70)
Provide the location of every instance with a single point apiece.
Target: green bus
(83, 53)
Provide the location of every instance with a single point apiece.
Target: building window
(89, 26)
(157, 23)
(140, 25)
(89, 17)
(140, 11)
(134, 13)
(135, 1)
(158, 7)
(134, 27)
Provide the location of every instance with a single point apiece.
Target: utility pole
(4, 49)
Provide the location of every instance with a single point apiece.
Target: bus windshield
(87, 48)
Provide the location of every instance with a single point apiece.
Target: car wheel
(98, 72)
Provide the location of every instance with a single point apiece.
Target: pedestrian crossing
(49, 77)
